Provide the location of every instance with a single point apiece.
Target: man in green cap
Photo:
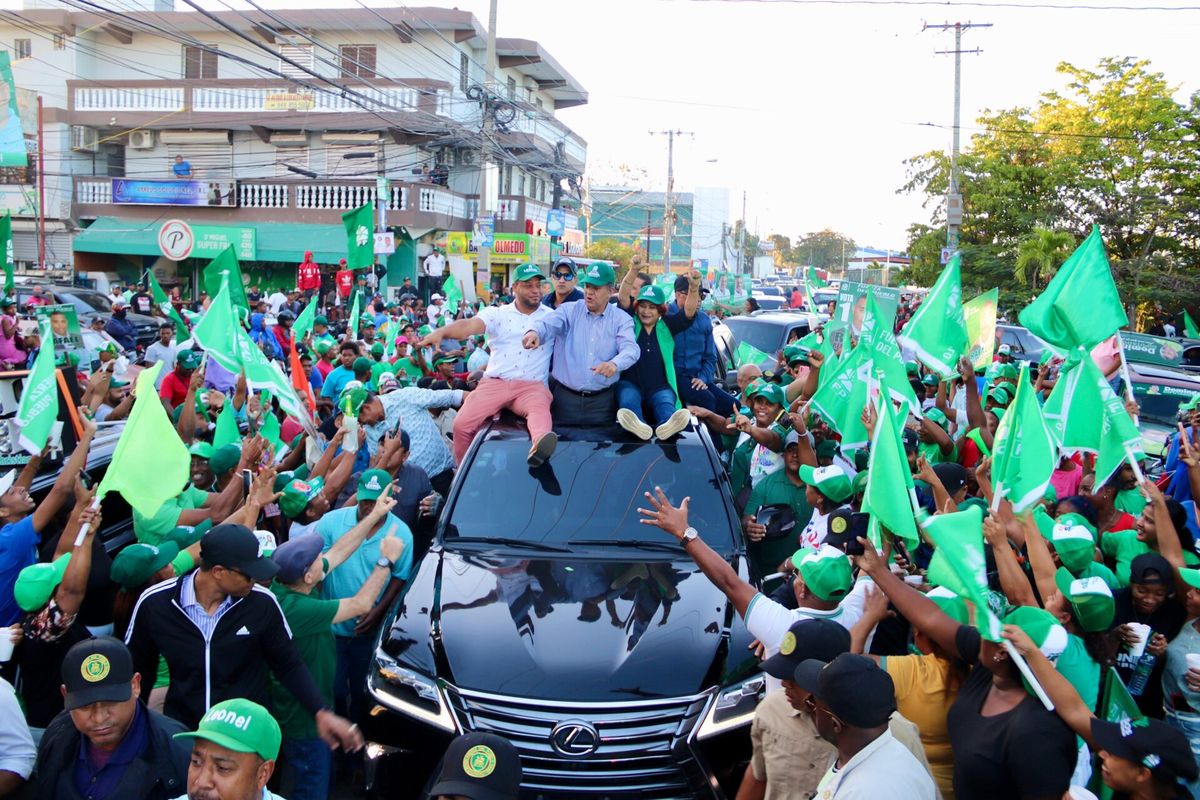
(327, 352)
(174, 387)
(594, 342)
(782, 487)
(320, 330)
(378, 364)
(234, 749)
(515, 378)
(111, 398)
(828, 490)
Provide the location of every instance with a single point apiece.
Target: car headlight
(733, 707)
(409, 692)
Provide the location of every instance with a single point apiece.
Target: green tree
(825, 249)
(611, 250)
(1040, 254)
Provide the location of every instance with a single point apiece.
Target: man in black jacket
(218, 631)
(106, 744)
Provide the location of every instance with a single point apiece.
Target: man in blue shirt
(121, 328)
(355, 639)
(593, 343)
(337, 378)
(696, 359)
(181, 168)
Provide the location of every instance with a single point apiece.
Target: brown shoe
(542, 449)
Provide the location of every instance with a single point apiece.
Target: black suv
(88, 304)
(546, 613)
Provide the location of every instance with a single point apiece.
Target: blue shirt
(410, 406)
(583, 340)
(695, 351)
(349, 576)
(315, 379)
(100, 784)
(18, 549)
(182, 169)
(335, 381)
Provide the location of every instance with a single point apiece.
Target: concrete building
(285, 118)
(702, 223)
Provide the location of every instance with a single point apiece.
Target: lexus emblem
(574, 739)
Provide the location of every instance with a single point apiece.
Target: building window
(200, 63)
(357, 60)
(22, 48)
(512, 88)
(60, 41)
(299, 60)
(540, 105)
(464, 68)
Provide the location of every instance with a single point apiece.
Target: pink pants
(528, 399)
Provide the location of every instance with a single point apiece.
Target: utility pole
(669, 202)
(485, 150)
(41, 176)
(649, 219)
(741, 243)
(954, 208)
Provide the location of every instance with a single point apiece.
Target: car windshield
(87, 302)
(774, 291)
(760, 334)
(1160, 404)
(589, 491)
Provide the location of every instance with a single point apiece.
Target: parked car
(767, 331)
(1025, 346)
(1159, 391)
(88, 304)
(544, 612)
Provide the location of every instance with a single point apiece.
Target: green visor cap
(825, 571)
(527, 272)
(830, 481)
(37, 582)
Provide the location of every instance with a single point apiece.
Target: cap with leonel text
(1150, 743)
(1090, 599)
(134, 566)
(831, 481)
(235, 547)
(825, 571)
(297, 495)
(37, 582)
(771, 392)
(98, 670)
(822, 639)
(1074, 540)
(372, 483)
(479, 766)
(527, 272)
(598, 275)
(240, 725)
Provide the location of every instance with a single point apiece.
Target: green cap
(352, 398)
(224, 458)
(297, 495)
(184, 536)
(859, 484)
(1074, 540)
(653, 293)
(598, 275)
(936, 416)
(1007, 371)
(188, 359)
(201, 450)
(795, 353)
(1044, 521)
(444, 358)
(771, 392)
(7, 301)
(830, 481)
(951, 604)
(137, 563)
(37, 582)
(1192, 403)
(1051, 494)
(828, 448)
(999, 395)
(527, 272)
(424, 331)
(1090, 599)
(1190, 576)
(376, 349)
(1041, 626)
(911, 368)
(322, 347)
(372, 483)
(242, 726)
(825, 571)
(282, 479)
(929, 380)
(361, 364)
(320, 319)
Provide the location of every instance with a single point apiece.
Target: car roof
(509, 428)
(1149, 373)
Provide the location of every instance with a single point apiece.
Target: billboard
(142, 192)
(12, 137)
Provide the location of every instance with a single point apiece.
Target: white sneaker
(629, 421)
(677, 422)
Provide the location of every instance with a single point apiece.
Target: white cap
(7, 480)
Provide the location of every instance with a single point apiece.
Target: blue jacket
(695, 350)
(123, 331)
(1180, 486)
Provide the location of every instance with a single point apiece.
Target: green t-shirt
(934, 455)
(407, 366)
(1083, 673)
(1131, 501)
(1122, 547)
(742, 459)
(771, 490)
(152, 529)
(377, 369)
(311, 621)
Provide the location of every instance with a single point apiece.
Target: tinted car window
(766, 336)
(87, 302)
(592, 490)
(1160, 408)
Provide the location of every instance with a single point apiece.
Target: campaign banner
(852, 303)
(730, 291)
(13, 151)
(980, 316)
(142, 192)
(1143, 349)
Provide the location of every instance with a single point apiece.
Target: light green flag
(813, 280)
(225, 267)
(164, 305)
(354, 319)
(360, 237)
(746, 353)
(39, 399)
(937, 332)
(6, 242)
(262, 374)
(889, 495)
(959, 565)
(842, 396)
(151, 464)
(1024, 452)
(216, 332)
(226, 431)
(979, 314)
(453, 295)
(1080, 305)
(304, 323)
(1189, 326)
(881, 345)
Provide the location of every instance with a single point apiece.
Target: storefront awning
(275, 241)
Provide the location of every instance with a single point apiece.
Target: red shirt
(284, 337)
(324, 367)
(345, 281)
(174, 388)
(309, 276)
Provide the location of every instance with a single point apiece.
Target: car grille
(643, 747)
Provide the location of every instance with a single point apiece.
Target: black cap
(909, 438)
(778, 518)
(682, 284)
(953, 476)
(479, 766)
(97, 670)
(845, 525)
(1151, 568)
(236, 547)
(820, 639)
(1148, 743)
(854, 688)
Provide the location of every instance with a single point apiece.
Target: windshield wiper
(662, 547)
(506, 542)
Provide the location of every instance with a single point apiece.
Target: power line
(1041, 6)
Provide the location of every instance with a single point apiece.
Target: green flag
(164, 305)
(151, 464)
(813, 280)
(262, 374)
(39, 398)
(226, 431)
(959, 565)
(1116, 705)
(216, 332)
(979, 314)
(453, 295)
(881, 345)
(746, 353)
(1080, 305)
(6, 242)
(842, 396)
(304, 322)
(937, 332)
(1189, 325)
(225, 266)
(1024, 452)
(360, 238)
(354, 319)
(889, 495)
(270, 425)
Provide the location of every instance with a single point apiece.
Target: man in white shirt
(435, 310)
(432, 270)
(515, 377)
(276, 301)
(163, 351)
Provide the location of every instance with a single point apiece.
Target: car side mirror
(731, 384)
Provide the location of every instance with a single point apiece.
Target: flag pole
(85, 527)
(1023, 665)
(1125, 376)
(1137, 470)
(997, 495)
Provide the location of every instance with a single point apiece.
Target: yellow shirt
(923, 697)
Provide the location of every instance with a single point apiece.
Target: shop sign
(289, 101)
(211, 241)
(131, 192)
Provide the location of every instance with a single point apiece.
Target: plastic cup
(6, 644)
(1193, 660)
(1143, 633)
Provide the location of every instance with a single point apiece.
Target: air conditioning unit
(83, 139)
(466, 157)
(141, 140)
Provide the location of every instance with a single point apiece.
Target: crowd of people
(235, 635)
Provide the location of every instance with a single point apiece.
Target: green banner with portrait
(12, 138)
(64, 324)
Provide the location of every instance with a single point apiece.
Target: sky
(811, 108)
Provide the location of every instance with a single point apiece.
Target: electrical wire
(999, 4)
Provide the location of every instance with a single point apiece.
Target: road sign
(385, 243)
(175, 239)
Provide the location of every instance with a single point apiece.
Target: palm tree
(1041, 253)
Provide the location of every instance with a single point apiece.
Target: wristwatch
(689, 535)
(383, 562)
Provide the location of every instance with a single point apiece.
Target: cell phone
(901, 550)
(86, 480)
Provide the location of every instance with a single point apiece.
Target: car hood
(577, 629)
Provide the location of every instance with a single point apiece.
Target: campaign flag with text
(1024, 453)
(38, 408)
(937, 331)
(979, 314)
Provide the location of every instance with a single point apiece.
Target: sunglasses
(563, 276)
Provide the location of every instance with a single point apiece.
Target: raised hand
(673, 520)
